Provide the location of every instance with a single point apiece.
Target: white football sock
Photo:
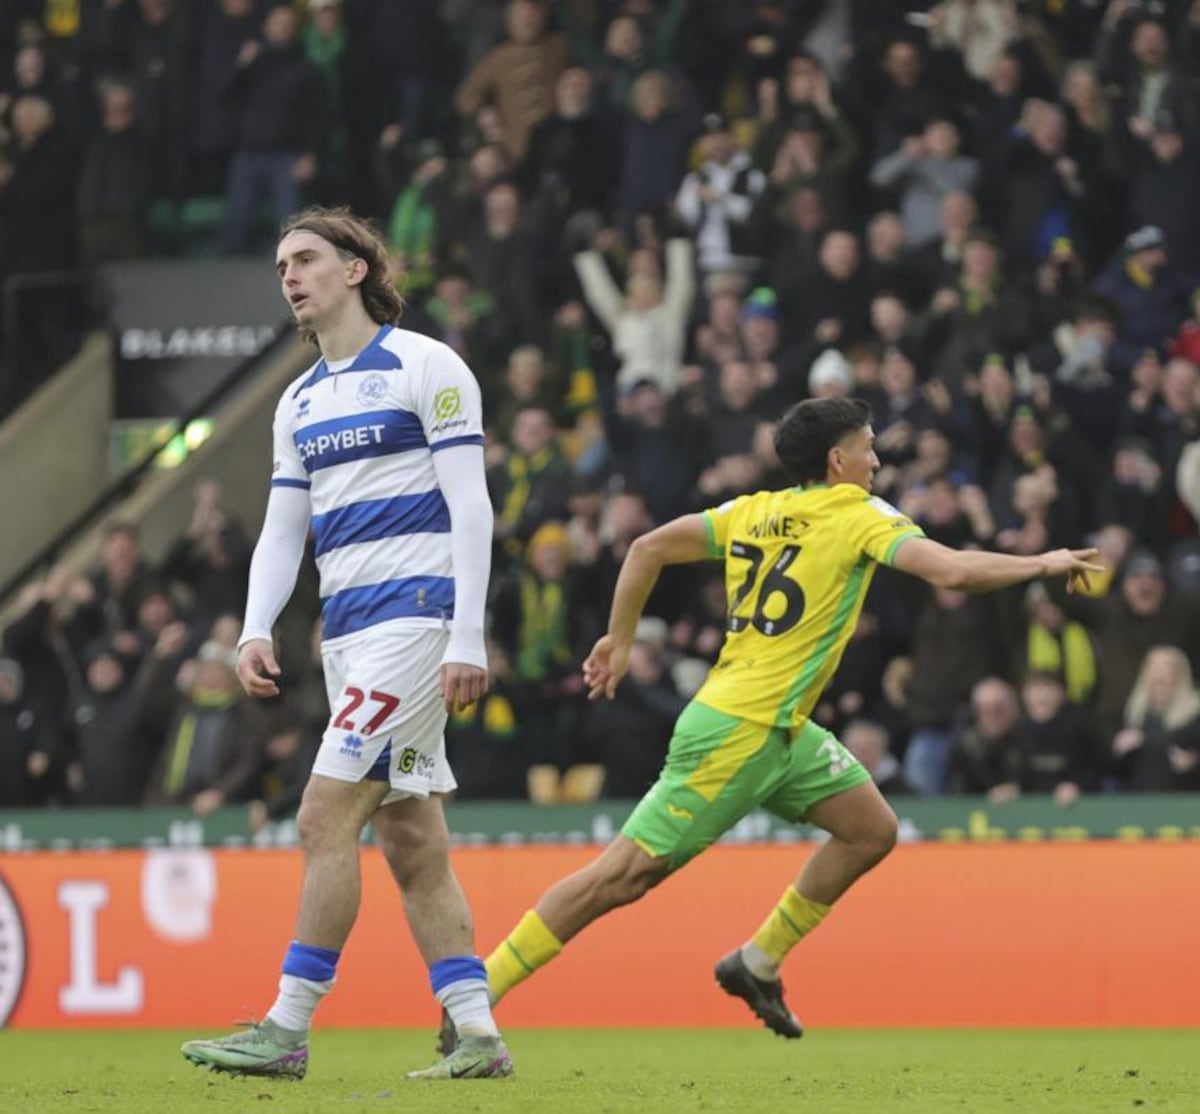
(297, 1001)
(469, 1005)
(761, 965)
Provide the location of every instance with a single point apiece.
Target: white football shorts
(388, 718)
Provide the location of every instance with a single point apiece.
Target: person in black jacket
(226, 29)
(985, 754)
(630, 733)
(112, 753)
(1058, 744)
(868, 742)
(283, 122)
(25, 748)
(115, 182)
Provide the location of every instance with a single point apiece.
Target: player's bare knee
(414, 854)
(320, 827)
(314, 827)
(414, 867)
(879, 837)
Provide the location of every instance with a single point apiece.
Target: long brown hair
(353, 238)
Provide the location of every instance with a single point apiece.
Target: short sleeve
(450, 406)
(717, 522)
(881, 528)
(288, 469)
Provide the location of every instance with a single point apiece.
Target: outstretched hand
(1075, 564)
(605, 666)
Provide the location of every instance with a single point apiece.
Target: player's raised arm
(678, 542)
(977, 570)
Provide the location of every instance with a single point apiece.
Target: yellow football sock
(529, 946)
(790, 921)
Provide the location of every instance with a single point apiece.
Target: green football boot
(262, 1048)
(476, 1057)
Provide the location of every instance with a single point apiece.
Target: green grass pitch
(593, 1071)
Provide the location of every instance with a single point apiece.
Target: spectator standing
(1151, 296)
(212, 134)
(571, 165)
(648, 325)
(212, 746)
(715, 202)
(1128, 622)
(531, 484)
(518, 77)
(26, 746)
(924, 170)
(952, 651)
(282, 128)
(631, 732)
(115, 182)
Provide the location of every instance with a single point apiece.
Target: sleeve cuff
(466, 652)
(715, 550)
(451, 442)
(250, 634)
(898, 542)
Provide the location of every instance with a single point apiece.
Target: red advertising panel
(1089, 934)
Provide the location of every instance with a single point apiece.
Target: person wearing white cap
(829, 376)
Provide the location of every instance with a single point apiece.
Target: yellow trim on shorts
(722, 764)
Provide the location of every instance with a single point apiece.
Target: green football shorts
(720, 767)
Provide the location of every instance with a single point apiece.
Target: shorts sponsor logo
(351, 746)
(373, 389)
(411, 762)
(679, 813)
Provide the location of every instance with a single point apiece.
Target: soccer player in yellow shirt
(798, 564)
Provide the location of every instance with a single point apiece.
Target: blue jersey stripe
(374, 433)
(282, 482)
(376, 519)
(355, 609)
(450, 442)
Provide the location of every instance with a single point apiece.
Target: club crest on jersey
(373, 389)
(446, 403)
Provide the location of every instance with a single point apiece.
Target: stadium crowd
(649, 226)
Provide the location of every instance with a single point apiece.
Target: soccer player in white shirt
(379, 450)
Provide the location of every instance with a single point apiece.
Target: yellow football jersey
(798, 564)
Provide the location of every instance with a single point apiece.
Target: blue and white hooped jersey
(361, 440)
